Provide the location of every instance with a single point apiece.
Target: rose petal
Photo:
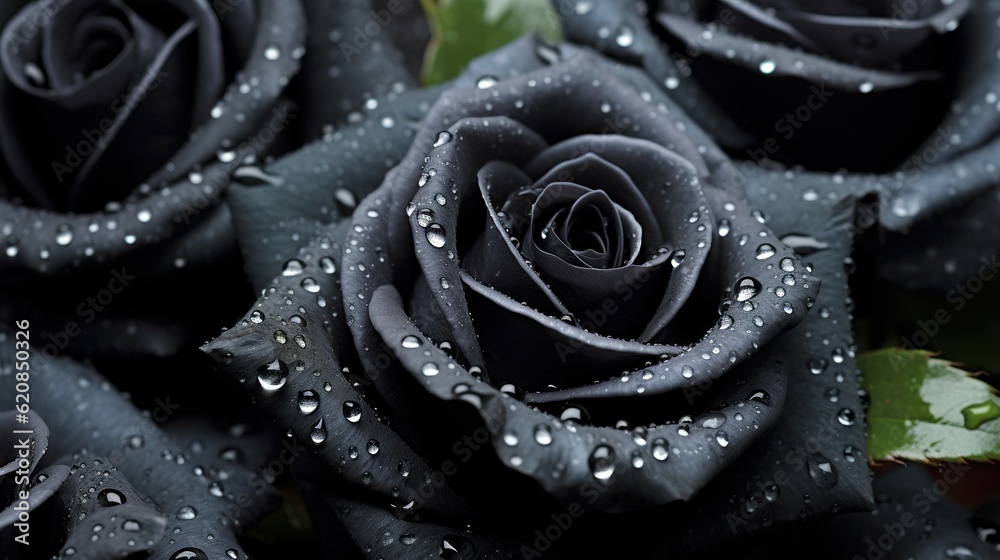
(289, 360)
(100, 501)
(87, 412)
(778, 60)
(593, 466)
(765, 289)
(346, 65)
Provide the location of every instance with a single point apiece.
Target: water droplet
(713, 420)
(273, 375)
(487, 82)
(765, 251)
(328, 265)
(308, 401)
(760, 396)
(602, 462)
(846, 417)
(435, 235)
(293, 267)
(272, 52)
(747, 288)
(510, 439)
(429, 369)
(64, 235)
(443, 138)
(817, 365)
(583, 7)
(976, 414)
(411, 342)
(310, 285)
(677, 258)
(722, 438)
(787, 308)
(318, 432)
(543, 435)
(724, 228)
(187, 512)
(660, 452)
(767, 66)
(787, 264)
(131, 525)
(821, 471)
(216, 489)
(625, 36)
(111, 497)
(725, 322)
(849, 454)
(866, 87)
(352, 411)
(189, 554)
(687, 372)
(372, 447)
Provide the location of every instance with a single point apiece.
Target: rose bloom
(560, 289)
(121, 124)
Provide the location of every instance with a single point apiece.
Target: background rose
(422, 457)
(815, 90)
(121, 128)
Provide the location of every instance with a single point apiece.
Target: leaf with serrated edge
(924, 408)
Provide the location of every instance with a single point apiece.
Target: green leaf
(924, 408)
(464, 29)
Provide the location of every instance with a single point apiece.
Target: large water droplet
(660, 451)
(976, 414)
(273, 375)
(189, 554)
(765, 251)
(410, 342)
(352, 411)
(308, 401)
(625, 36)
(110, 497)
(318, 432)
(767, 66)
(722, 438)
(602, 462)
(64, 235)
(187, 512)
(747, 288)
(435, 235)
(293, 267)
(272, 52)
(486, 82)
(443, 138)
(543, 435)
(821, 471)
(846, 417)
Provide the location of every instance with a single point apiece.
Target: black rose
(122, 125)
(896, 101)
(634, 358)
